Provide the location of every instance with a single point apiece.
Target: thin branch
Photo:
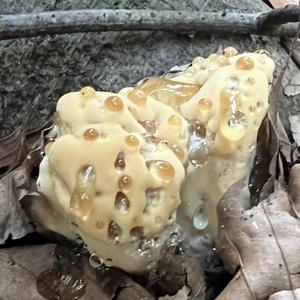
(96, 20)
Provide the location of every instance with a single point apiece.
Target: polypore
(224, 98)
(113, 174)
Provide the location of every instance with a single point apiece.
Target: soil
(54, 65)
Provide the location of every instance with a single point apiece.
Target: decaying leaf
(295, 128)
(261, 242)
(19, 182)
(12, 218)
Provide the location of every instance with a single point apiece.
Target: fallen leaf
(295, 128)
(260, 243)
(12, 218)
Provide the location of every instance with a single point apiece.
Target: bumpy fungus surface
(114, 171)
(224, 98)
(116, 168)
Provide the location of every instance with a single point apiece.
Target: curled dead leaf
(255, 242)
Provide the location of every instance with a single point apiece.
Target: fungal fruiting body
(113, 174)
(224, 98)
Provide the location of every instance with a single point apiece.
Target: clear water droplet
(200, 219)
(108, 262)
(95, 260)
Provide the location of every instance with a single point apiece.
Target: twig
(96, 20)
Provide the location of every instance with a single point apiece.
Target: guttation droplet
(200, 219)
(114, 103)
(162, 169)
(87, 92)
(137, 232)
(125, 182)
(120, 161)
(91, 134)
(205, 104)
(244, 63)
(122, 202)
(175, 121)
(230, 51)
(81, 203)
(113, 230)
(95, 260)
(152, 197)
(131, 140)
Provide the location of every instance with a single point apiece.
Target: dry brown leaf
(295, 128)
(282, 3)
(261, 242)
(12, 218)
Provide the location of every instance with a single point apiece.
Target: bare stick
(96, 20)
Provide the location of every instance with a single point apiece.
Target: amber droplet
(169, 91)
(204, 104)
(224, 101)
(138, 97)
(120, 161)
(162, 169)
(131, 140)
(252, 108)
(137, 232)
(125, 182)
(113, 230)
(91, 134)
(81, 203)
(230, 51)
(114, 103)
(244, 63)
(87, 92)
(200, 130)
(149, 126)
(175, 121)
(121, 201)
